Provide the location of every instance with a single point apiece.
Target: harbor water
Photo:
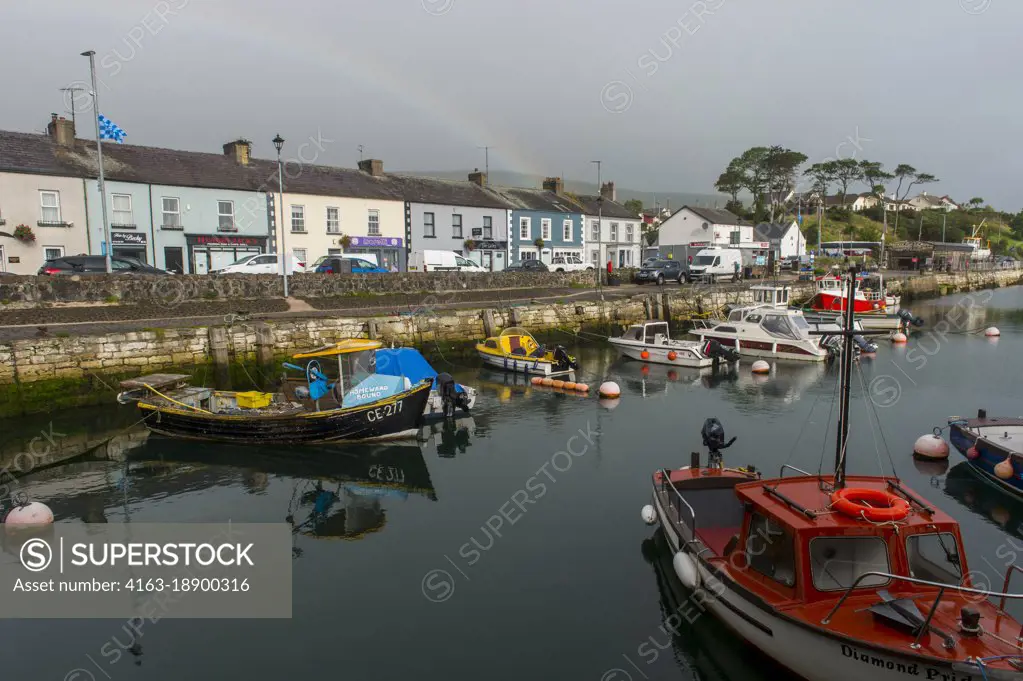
(509, 545)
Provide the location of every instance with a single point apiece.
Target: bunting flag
(108, 130)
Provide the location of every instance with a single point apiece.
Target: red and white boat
(871, 295)
(836, 578)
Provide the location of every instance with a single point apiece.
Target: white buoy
(992, 332)
(648, 514)
(899, 337)
(686, 570)
(610, 390)
(930, 447)
(1004, 469)
(609, 404)
(32, 515)
(761, 367)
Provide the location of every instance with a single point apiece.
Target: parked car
(649, 261)
(260, 263)
(345, 264)
(569, 263)
(660, 271)
(442, 261)
(532, 265)
(97, 264)
(711, 264)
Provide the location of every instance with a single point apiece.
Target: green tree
(634, 206)
(752, 167)
(847, 171)
(651, 236)
(875, 177)
(731, 182)
(781, 166)
(910, 175)
(975, 203)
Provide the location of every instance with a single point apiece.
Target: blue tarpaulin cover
(407, 362)
(375, 387)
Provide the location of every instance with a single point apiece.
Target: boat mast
(846, 379)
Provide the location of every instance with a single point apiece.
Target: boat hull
(988, 455)
(392, 418)
(873, 322)
(807, 653)
(521, 365)
(685, 355)
(770, 350)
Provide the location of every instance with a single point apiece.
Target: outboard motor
(448, 394)
(714, 439)
(864, 345)
(715, 350)
(563, 359)
(833, 344)
(907, 317)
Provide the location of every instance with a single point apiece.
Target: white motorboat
(771, 332)
(652, 342)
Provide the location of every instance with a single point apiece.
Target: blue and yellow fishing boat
(517, 351)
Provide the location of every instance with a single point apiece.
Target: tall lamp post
(600, 230)
(279, 144)
(91, 54)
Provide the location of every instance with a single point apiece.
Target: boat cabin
(869, 286)
(649, 332)
(782, 323)
(774, 295)
(516, 341)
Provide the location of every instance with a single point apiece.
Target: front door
(174, 259)
(201, 261)
(488, 261)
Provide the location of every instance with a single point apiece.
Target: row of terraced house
(196, 212)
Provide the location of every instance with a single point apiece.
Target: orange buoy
(582, 387)
(569, 385)
(645, 354)
(972, 453)
(672, 356)
(1004, 469)
(557, 384)
(547, 382)
(536, 380)
(874, 505)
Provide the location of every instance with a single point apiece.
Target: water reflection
(986, 500)
(451, 438)
(701, 646)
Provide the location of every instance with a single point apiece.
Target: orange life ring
(873, 504)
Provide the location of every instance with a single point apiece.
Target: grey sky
(422, 83)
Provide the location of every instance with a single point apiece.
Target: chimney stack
(240, 149)
(478, 178)
(62, 131)
(373, 166)
(554, 184)
(607, 191)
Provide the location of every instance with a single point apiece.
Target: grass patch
(62, 334)
(5, 301)
(576, 284)
(209, 295)
(112, 300)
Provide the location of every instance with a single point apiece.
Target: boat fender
(645, 354)
(972, 453)
(1004, 469)
(672, 356)
(648, 514)
(685, 568)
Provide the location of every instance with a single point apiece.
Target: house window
(595, 257)
(335, 251)
(529, 255)
(53, 252)
(524, 229)
(225, 215)
(629, 231)
(49, 203)
(595, 230)
(488, 227)
(300, 254)
(333, 220)
(298, 218)
(429, 228)
(373, 226)
(456, 226)
(614, 231)
(171, 212)
(545, 229)
(122, 211)
(566, 230)
(733, 238)
(770, 550)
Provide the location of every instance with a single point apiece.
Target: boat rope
(880, 430)
(172, 400)
(824, 442)
(802, 430)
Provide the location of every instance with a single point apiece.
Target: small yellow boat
(516, 350)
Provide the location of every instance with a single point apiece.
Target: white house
(618, 233)
(864, 201)
(786, 239)
(925, 201)
(692, 228)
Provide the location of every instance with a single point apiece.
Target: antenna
(73, 91)
(360, 153)
(486, 164)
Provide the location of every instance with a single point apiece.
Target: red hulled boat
(870, 297)
(835, 578)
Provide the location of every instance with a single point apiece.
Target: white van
(441, 261)
(711, 264)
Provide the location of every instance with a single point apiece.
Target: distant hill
(673, 200)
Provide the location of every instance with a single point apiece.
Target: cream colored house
(52, 207)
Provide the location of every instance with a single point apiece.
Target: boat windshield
(656, 333)
(780, 325)
(837, 562)
(934, 557)
(800, 323)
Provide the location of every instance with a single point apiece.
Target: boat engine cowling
(714, 435)
(563, 359)
(907, 316)
(715, 350)
(864, 345)
(450, 398)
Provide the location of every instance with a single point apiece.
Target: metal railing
(925, 627)
(784, 467)
(674, 497)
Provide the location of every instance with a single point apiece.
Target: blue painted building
(546, 214)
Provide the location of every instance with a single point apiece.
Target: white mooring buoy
(930, 447)
(610, 390)
(992, 332)
(899, 337)
(32, 515)
(648, 514)
(761, 367)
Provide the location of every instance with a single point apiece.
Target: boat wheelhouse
(517, 351)
(651, 341)
(767, 331)
(834, 577)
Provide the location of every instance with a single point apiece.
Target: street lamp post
(600, 229)
(91, 54)
(279, 144)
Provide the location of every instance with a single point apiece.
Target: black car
(527, 266)
(660, 271)
(97, 264)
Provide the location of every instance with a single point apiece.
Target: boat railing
(676, 501)
(784, 467)
(941, 587)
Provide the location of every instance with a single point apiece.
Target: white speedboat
(771, 332)
(652, 342)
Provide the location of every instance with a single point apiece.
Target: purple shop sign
(376, 242)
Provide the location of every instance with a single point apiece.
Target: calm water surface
(413, 571)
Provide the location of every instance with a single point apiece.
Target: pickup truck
(561, 263)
